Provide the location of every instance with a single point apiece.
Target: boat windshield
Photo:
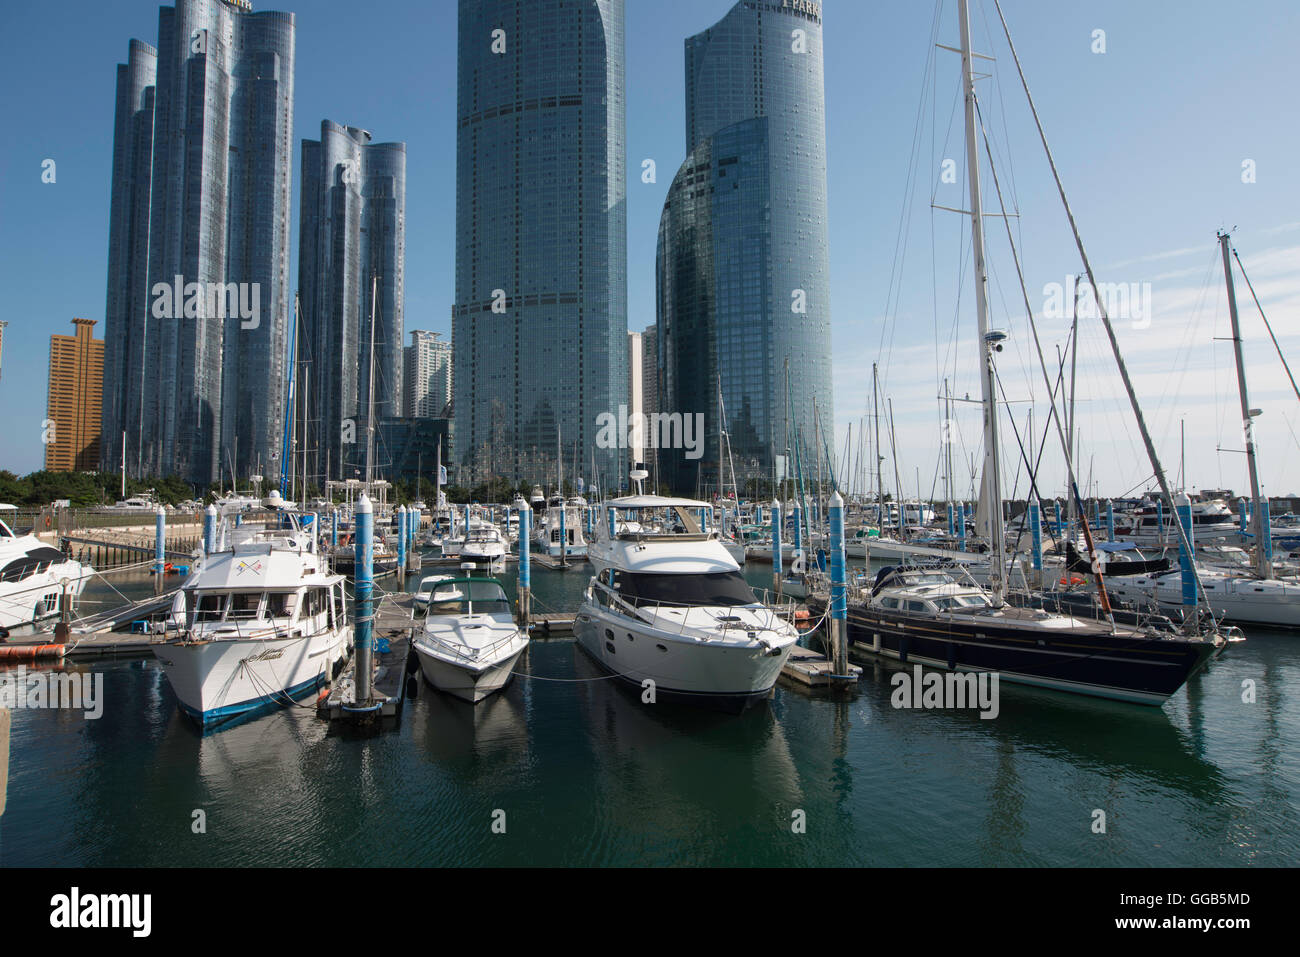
(718, 588)
(468, 597)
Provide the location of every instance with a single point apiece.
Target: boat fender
(412, 686)
(412, 664)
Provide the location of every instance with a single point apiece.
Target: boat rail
(471, 653)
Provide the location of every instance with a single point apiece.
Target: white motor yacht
(33, 576)
(669, 605)
(483, 543)
(260, 622)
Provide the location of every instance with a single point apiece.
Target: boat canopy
(1115, 546)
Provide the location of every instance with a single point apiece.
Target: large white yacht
(1241, 598)
(261, 621)
(668, 604)
(31, 578)
(469, 643)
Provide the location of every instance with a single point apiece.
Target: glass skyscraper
(352, 231)
(539, 325)
(742, 263)
(197, 390)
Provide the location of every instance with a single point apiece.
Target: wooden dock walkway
(391, 634)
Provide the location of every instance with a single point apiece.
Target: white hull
(1275, 603)
(37, 597)
(494, 553)
(676, 663)
(465, 682)
(222, 679)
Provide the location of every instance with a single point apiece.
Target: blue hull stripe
(253, 706)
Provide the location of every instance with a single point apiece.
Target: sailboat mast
(875, 414)
(720, 505)
(992, 484)
(370, 390)
(1262, 566)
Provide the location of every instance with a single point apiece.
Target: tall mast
(875, 409)
(992, 485)
(1262, 566)
(124, 465)
(370, 392)
(1071, 437)
(720, 496)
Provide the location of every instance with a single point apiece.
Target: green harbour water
(577, 771)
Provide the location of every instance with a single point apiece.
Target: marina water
(567, 768)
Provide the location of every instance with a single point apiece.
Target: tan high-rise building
(72, 427)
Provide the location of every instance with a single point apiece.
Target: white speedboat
(32, 577)
(669, 605)
(420, 598)
(260, 622)
(469, 643)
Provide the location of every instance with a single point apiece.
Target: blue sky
(1150, 137)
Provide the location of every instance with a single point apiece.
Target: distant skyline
(1150, 137)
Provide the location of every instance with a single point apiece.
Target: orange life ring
(47, 521)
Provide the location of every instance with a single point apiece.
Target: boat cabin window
(209, 608)
(468, 597)
(244, 605)
(889, 603)
(279, 605)
(717, 588)
(917, 606)
(315, 601)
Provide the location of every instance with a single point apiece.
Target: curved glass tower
(352, 227)
(539, 326)
(210, 386)
(128, 259)
(743, 261)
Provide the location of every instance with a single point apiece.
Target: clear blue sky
(1150, 137)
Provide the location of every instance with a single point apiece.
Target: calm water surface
(587, 775)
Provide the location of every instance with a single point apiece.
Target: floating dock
(393, 625)
(551, 624)
(546, 561)
(813, 669)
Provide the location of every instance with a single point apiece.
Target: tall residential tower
(539, 326)
(743, 263)
(198, 293)
(352, 240)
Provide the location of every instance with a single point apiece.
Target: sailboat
(1257, 597)
(939, 617)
